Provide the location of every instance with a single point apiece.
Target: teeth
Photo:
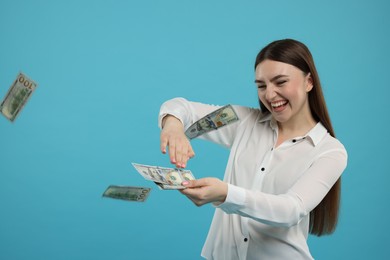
(278, 104)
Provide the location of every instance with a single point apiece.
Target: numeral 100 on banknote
(17, 96)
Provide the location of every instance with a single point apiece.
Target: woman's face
(283, 89)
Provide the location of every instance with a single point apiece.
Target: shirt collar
(315, 134)
(265, 117)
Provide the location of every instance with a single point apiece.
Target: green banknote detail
(216, 119)
(17, 96)
(165, 178)
(128, 193)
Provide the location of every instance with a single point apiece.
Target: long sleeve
(287, 209)
(189, 112)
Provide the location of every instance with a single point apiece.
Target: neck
(298, 127)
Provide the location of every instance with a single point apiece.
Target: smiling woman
(295, 59)
(282, 180)
(283, 88)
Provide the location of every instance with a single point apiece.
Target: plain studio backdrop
(103, 69)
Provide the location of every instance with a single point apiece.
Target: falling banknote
(129, 193)
(17, 96)
(165, 178)
(216, 119)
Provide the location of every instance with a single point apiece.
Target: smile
(279, 104)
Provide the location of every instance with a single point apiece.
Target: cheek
(297, 96)
(261, 95)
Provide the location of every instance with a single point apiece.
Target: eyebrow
(273, 79)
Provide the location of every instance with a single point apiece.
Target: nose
(270, 92)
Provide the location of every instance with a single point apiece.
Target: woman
(282, 179)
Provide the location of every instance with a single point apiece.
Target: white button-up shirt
(271, 190)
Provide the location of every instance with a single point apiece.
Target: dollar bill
(216, 119)
(129, 193)
(165, 178)
(17, 96)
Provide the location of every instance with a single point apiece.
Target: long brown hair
(323, 218)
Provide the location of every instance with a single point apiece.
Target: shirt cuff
(174, 107)
(235, 199)
(161, 117)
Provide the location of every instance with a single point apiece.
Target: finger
(163, 144)
(172, 151)
(197, 202)
(195, 195)
(195, 183)
(182, 153)
(183, 163)
(180, 161)
(191, 152)
(191, 192)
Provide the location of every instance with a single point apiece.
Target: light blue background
(104, 68)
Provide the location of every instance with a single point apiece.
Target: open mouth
(279, 105)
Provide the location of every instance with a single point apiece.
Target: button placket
(266, 161)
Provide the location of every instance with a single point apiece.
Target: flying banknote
(216, 119)
(17, 96)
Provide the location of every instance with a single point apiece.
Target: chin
(280, 119)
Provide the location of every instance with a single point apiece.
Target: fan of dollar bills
(165, 178)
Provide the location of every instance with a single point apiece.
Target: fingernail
(185, 183)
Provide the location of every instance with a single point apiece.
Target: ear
(309, 82)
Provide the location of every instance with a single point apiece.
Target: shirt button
(293, 140)
(245, 239)
(262, 169)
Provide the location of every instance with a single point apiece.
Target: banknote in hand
(165, 178)
(17, 96)
(216, 119)
(128, 193)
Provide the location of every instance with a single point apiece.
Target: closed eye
(281, 82)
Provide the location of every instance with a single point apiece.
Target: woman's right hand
(179, 147)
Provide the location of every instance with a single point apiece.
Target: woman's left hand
(205, 190)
